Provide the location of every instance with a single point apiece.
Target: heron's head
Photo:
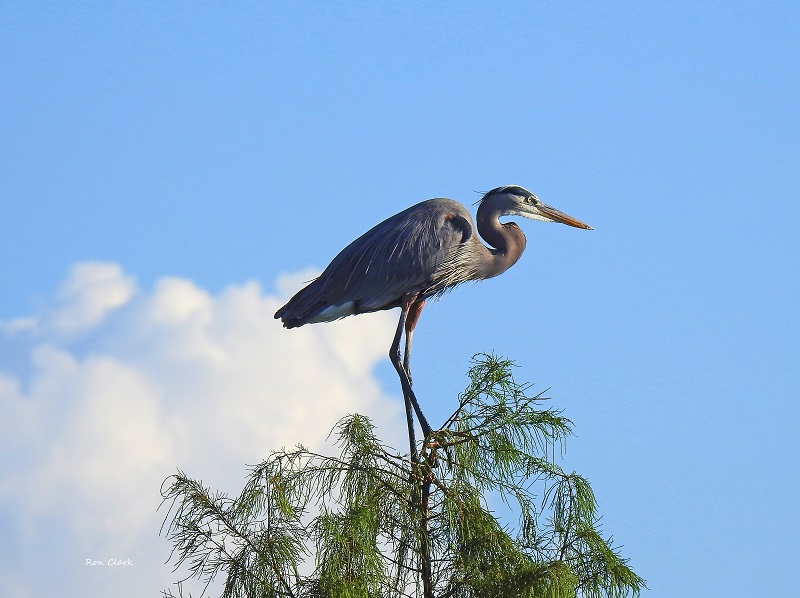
(513, 200)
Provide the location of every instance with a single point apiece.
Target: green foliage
(373, 523)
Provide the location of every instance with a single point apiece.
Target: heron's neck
(506, 239)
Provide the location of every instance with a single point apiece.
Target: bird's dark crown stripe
(513, 189)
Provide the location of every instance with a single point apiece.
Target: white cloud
(91, 291)
(112, 388)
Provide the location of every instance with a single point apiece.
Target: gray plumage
(415, 255)
(420, 249)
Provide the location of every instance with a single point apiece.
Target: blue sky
(168, 175)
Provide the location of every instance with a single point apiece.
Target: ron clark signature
(110, 563)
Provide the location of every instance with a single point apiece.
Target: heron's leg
(394, 356)
(405, 382)
(414, 312)
(412, 439)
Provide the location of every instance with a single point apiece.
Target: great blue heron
(415, 255)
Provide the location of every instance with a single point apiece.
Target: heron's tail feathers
(310, 305)
(302, 308)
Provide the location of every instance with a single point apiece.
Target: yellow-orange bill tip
(562, 217)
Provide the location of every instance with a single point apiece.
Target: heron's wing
(399, 255)
(402, 254)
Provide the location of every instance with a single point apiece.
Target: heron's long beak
(561, 217)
